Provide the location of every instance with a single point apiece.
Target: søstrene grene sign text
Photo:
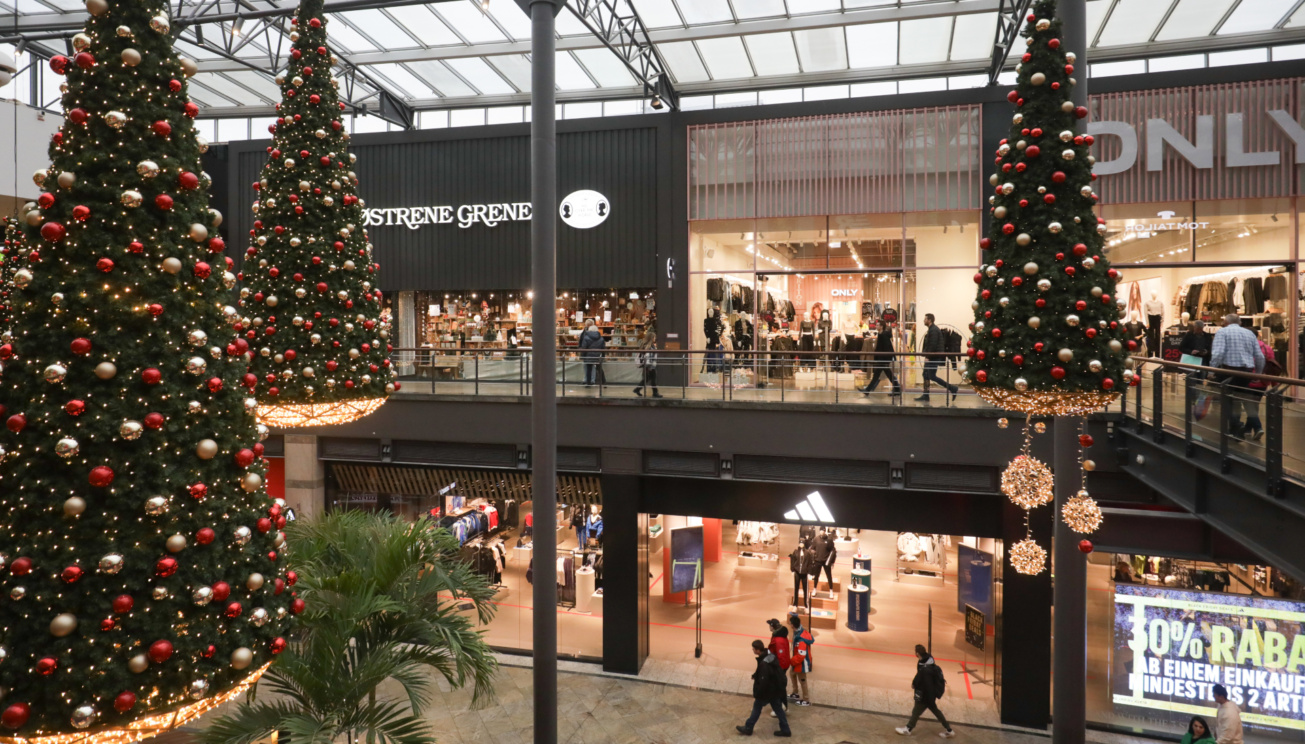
(464, 216)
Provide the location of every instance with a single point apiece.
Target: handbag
(1202, 407)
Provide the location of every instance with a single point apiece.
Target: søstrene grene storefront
(818, 227)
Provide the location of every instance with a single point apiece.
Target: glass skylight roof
(454, 53)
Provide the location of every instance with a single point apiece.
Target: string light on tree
(310, 309)
(119, 450)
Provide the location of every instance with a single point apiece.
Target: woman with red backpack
(1255, 392)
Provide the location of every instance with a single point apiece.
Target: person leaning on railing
(1237, 348)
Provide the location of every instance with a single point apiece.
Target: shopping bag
(1195, 361)
(1202, 407)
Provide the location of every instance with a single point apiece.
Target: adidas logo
(811, 509)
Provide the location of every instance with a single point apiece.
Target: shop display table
(824, 600)
(858, 608)
(758, 560)
(861, 560)
(585, 580)
(823, 586)
(822, 618)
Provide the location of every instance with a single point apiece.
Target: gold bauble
(1027, 482)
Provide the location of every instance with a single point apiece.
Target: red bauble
(45, 200)
(1054, 43)
(985, 243)
(1038, 347)
(263, 524)
(160, 651)
(258, 448)
(234, 609)
(59, 64)
(208, 652)
(1069, 270)
(1058, 373)
(1085, 546)
(80, 346)
(290, 355)
(1113, 274)
(981, 376)
(314, 99)
(16, 422)
(202, 270)
(1081, 112)
(198, 491)
(78, 116)
(221, 591)
(1012, 96)
(105, 265)
(277, 645)
(981, 355)
(53, 232)
(161, 128)
(1058, 177)
(205, 535)
(174, 85)
(1132, 346)
(249, 380)
(321, 286)
(191, 109)
(1090, 333)
(1049, 198)
(108, 624)
(163, 201)
(15, 716)
(996, 333)
(297, 606)
(278, 586)
(123, 603)
(71, 574)
(1069, 69)
(244, 458)
(1085, 440)
(1032, 151)
(23, 566)
(214, 384)
(154, 420)
(188, 181)
(124, 702)
(165, 566)
(1014, 282)
(84, 60)
(216, 245)
(45, 667)
(291, 577)
(1107, 383)
(1080, 306)
(151, 376)
(101, 476)
(348, 384)
(6, 351)
(332, 364)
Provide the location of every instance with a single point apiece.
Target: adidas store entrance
(868, 590)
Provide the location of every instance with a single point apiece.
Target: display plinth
(823, 586)
(824, 602)
(758, 560)
(585, 581)
(920, 575)
(858, 608)
(860, 577)
(861, 560)
(822, 618)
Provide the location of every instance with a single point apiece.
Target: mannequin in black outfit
(802, 562)
(712, 328)
(826, 555)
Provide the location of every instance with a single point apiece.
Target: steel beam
(1010, 18)
(625, 35)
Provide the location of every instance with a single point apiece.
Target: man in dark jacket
(883, 361)
(934, 343)
(928, 686)
(1196, 342)
(767, 689)
(591, 344)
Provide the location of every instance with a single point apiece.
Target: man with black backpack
(929, 685)
(767, 689)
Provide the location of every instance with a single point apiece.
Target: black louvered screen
(809, 470)
(580, 459)
(968, 478)
(335, 448)
(682, 463)
(453, 453)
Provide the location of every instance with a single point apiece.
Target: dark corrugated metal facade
(621, 164)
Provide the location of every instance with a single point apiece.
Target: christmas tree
(141, 580)
(15, 254)
(1047, 335)
(310, 300)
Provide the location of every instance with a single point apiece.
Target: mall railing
(1217, 409)
(812, 377)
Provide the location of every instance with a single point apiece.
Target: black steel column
(1069, 594)
(543, 428)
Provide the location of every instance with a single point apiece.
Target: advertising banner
(686, 559)
(976, 627)
(974, 579)
(1171, 647)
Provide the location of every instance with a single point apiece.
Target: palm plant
(382, 598)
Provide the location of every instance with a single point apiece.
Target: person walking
(647, 359)
(1198, 732)
(767, 689)
(934, 343)
(883, 362)
(1256, 389)
(1228, 722)
(591, 345)
(800, 662)
(929, 685)
(1236, 348)
(1196, 343)
(780, 648)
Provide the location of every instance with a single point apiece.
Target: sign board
(976, 627)
(1171, 646)
(686, 559)
(584, 209)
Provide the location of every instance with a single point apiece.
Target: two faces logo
(584, 209)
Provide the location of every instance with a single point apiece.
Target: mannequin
(712, 328)
(743, 332)
(826, 555)
(802, 562)
(823, 328)
(1155, 313)
(807, 340)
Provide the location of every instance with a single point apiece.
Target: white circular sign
(584, 209)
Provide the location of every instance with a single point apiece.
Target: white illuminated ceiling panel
(925, 41)
(872, 45)
(773, 54)
(726, 58)
(1132, 22)
(821, 49)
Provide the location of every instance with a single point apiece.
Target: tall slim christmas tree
(1047, 335)
(15, 253)
(141, 575)
(310, 301)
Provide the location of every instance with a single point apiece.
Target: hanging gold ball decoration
(1028, 558)
(1081, 513)
(1002, 423)
(1027, 482)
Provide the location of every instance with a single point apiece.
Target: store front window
(491, 515)
(864, 595)
(1163, 631)
(827, 285)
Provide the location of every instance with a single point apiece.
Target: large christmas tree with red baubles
(142, 579)
(1047, 333)
(310, 298)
